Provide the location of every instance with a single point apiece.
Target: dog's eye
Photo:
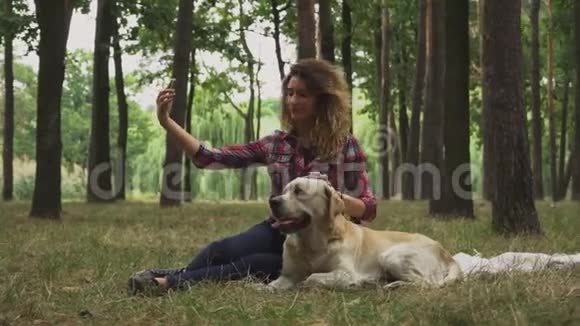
(297, 191)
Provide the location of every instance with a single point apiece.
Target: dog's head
(306, 203)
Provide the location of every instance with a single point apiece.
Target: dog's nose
(274, 202)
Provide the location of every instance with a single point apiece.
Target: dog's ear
(335, 202)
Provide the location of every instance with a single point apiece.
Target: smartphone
(171, 84)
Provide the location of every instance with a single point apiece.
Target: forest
(432, 86)
(468, 112)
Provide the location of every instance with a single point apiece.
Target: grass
(74, 271)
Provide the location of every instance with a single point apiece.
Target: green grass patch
(74, 271)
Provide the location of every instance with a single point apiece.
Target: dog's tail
(454, 273)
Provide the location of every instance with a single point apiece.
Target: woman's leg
(256, 252)
(265, 266)
(261, 238)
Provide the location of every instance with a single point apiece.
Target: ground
(75, 271)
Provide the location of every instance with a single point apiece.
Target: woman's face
(299, 101)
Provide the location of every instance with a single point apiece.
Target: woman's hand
(164, 102)
(182, 138)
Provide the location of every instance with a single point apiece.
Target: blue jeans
(256, 252)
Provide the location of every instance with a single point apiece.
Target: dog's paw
(282, 283)
(395, 285)
(261, 287)
(332, 280)
(317, 279)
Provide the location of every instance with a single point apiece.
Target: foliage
(147, 30)
(21, 24)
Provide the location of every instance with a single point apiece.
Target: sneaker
(158, 272)
(144, 282)
(139, 284)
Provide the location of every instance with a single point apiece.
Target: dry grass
(74, 271)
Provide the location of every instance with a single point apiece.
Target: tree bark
(513, 208)
(403, 120)
(432, 136)
(536, 112)
(191, 96)
(53, 21)
(576, 150)
(402, 99)
(551, 118)
(258, 126)
(566, 176)
(346, 49)
(171, 191)
(456, 196)
(326, 28)
(395, 150)
(306, 30)
(488, 154)
(277, 22)
(123, 110)
(384, 102)
(247, 173)
(8, 143)
(99, 187)
(562, 182)
(411, 182)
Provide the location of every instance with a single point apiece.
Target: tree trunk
(403, 130)
(247, 173)
(8, 148)
(563, 132)
(187, 177)
(536, 112)
(395, 150)
(432, 136)
(171, 191)
(513, 208)
(326, 27)
(123, 110)
(576, 150)
(258, 126)
(53, 21)
(411, 181)
(456, 196)
(346, 49)
(488, 154)
(99, 187)
(566, 176)
(277, 22)
(402, 99)
(384, 102)
(306, 30)
(259, 106)
(552, 123)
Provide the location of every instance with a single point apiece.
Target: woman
(315, 115)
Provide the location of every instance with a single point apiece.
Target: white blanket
(514, 261)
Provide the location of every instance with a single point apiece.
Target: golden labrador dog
(324, 248)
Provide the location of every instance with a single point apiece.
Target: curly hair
(332, 105)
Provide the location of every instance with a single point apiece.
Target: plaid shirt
(284, 157)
